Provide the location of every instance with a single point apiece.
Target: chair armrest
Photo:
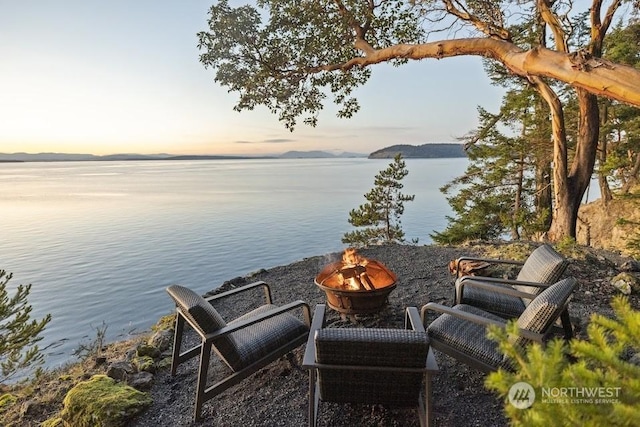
(474, 318)
(492, 286)
(412, 319)
(267, 292)
(505, 281)
(457, 313)
(492, 260)
(309, 359)
(271, 313)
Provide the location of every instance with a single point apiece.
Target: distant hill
(68, 157)
(424, 151)
(317, 155)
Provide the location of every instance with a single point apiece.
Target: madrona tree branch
(595, 75)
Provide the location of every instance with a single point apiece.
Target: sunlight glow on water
(100, 241)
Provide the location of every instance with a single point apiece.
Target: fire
(355, 284)
(350, 257)
(352, 274)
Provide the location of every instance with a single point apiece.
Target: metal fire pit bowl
(356, 301)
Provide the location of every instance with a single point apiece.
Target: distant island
(424, 151)
(408, 151)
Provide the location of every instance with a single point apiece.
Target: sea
(99, 241)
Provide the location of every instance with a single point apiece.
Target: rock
(30, 407)
(101, 401)
(145, 363)
(141, 380)
(120, 370)
(100, 360)
(146, 350)
(635, 359)
(626, 283)
(631, 265)
(162, 340)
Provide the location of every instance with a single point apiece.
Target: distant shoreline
(424, 151)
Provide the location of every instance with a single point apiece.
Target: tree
(380, 216)
(309, 48)
(504, 189)
(596, 377)
(619, 150)
(18, 333)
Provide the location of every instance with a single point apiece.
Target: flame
(351, 257)
(352, 274)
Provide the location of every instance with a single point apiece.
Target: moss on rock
(53, 422)
(7, 400)
(101, 401)
(145, 363)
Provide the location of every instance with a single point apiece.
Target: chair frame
(471, 317)
(413, 322)
(204, 393)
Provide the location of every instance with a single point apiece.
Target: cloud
(266, 141)
(278, 140)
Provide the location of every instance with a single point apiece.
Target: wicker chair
(245, 344)
(542, 268)
(370, 365)
(461, 330)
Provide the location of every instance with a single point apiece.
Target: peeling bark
(595, 75)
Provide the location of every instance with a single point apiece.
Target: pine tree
(602, 365)
(18, 333)
(505, 187)
(380, 216)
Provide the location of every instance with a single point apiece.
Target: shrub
(589, 382)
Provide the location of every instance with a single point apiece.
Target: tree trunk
(605, 190)
(570, 188)
(515, 234)
(633, 177)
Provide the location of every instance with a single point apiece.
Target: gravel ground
(277, 395)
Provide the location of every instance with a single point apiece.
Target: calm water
(99, 241)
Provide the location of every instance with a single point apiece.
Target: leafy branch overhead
(289, 54)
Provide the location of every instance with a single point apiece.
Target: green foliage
(18, 333)
(600, 364)
(633, 245)
(503, 190)
(379, 218)
(620, 129)
(278, 63)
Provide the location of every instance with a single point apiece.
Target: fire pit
(356, 285)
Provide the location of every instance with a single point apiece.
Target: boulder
(146, 350)
(120, 370)
(162, 340)
(102, 401)
(141, 380)
(626, 283)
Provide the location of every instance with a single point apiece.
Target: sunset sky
(123, 76)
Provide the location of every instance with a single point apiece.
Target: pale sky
(123, 76)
